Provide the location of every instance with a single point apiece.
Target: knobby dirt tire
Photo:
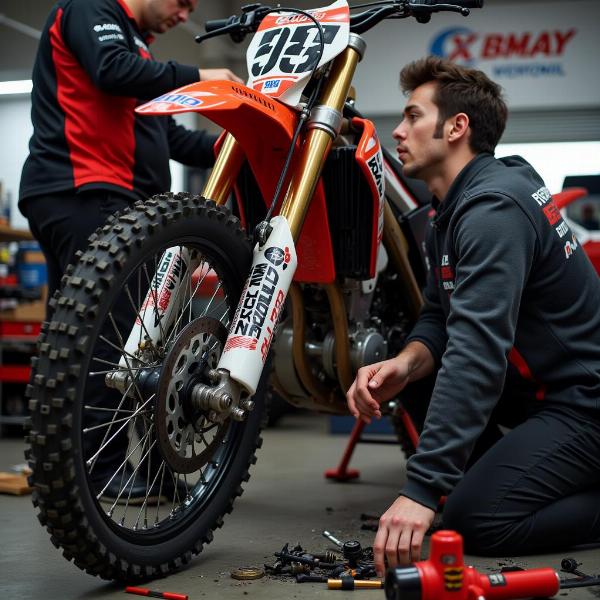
(62, 492)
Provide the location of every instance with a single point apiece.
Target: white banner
(544, 55)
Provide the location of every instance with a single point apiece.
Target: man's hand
(219, 75)
(400, 535)
(375, 384)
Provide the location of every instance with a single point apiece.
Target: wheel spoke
(142, 441)
(174, 330)
(122, 350)
(212, 298)
(137, 411)
(107, 432)
(99, 408)
(124, 356)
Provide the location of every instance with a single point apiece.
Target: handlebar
(252, 15)
(461, 3)
(215, 24)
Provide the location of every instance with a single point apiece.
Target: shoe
(120, 492)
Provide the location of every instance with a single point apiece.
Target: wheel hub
(187, 438)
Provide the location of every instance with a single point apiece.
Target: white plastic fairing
(264, 294)
(286, 46)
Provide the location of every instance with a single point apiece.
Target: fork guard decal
(251, 331)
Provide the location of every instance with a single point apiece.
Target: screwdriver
(349, 583)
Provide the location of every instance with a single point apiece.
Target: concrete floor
(287, 499)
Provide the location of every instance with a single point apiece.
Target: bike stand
(342, 472)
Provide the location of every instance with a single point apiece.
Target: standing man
(512, 309)
(90, 154)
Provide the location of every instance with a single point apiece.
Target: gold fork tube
(302, 187)
(224, 173)
(318, 142)
(340, 330)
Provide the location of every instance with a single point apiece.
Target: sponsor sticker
(277, 255)
(271, 84)
(179, 100)
(497, 579)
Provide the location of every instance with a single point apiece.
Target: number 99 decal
(290, 50)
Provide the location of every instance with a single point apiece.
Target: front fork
(242, 361)
(274, 262)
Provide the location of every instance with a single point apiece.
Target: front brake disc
(185, 445)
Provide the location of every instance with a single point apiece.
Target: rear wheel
(131, 483)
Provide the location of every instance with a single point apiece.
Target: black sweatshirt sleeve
(494, 243)
(96, 33)
(192, 148)
(430, 328)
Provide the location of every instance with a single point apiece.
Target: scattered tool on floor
(154, 594)
(247, 573)
(349, 583)
(444, 576)
(333, 539)
(353, 570)
(569, 565)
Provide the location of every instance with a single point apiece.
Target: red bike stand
(341, 472)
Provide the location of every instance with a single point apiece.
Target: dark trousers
(536, 490)
(62, 222)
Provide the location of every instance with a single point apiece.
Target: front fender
(264, 128)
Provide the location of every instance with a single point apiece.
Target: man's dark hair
(461, 89)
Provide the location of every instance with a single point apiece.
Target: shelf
(19, 330)
(8, 234)
(15, 373)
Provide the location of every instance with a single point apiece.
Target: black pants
(536, 490)
(62, 223)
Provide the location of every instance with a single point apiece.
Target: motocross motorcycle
(148, 394)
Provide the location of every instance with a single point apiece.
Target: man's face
(421, 145)
(161, 15)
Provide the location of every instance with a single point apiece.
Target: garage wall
(559, 102)
(16, 129)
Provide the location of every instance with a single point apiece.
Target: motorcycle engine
(377, 327)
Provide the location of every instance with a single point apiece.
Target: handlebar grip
(468, 3)
(215, 24)
(462, 3)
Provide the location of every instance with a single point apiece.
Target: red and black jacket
(93, 67)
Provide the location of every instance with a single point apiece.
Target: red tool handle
(539, 583)
(153, 594)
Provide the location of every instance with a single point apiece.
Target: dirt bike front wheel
(131, 482)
